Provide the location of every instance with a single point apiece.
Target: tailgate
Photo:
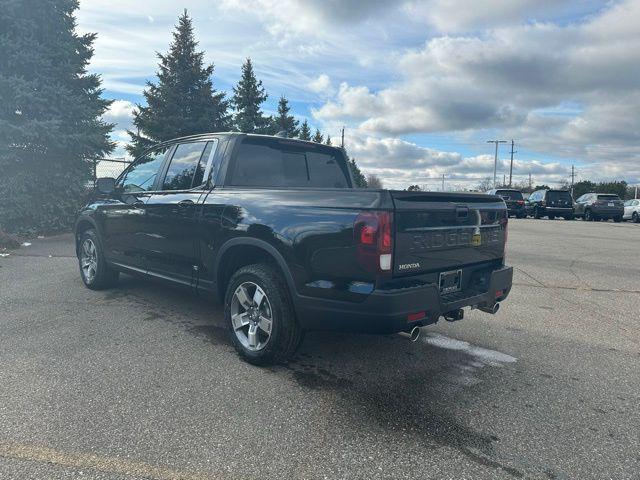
(446, 231)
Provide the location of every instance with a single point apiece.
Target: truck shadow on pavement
(412, 391)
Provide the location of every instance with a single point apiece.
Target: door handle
(185, 203)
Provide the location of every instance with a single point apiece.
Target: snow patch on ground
(482, 356)
(479, 357)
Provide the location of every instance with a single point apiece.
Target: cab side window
(141, 176)
(187, 166)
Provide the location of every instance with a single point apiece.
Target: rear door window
(187, 167)
(267, 162)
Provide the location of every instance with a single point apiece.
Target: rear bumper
(515, 209)
(386, 311)
(558, 210)
(607, 212)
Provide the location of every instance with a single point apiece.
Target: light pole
(495, 159)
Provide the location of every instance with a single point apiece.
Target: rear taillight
(373, 235)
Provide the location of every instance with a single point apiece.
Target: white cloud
(120, 112)
(321, 84)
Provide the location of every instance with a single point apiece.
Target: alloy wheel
(89, 260)
(251, 316)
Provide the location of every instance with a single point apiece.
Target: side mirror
(106, 185)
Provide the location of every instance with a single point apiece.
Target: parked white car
(632, 210)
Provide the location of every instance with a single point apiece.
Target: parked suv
(275, 228)
(513, 199)
(551, 204)
(600, 206)
(632, 210)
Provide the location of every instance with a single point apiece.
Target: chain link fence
(109, 167)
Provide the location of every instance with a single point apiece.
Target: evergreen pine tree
(305, 131)
(183, 102)
(248, 96)
(359, 179)
(284, 121)
(328, 141)
(318, 137)
(50, 115)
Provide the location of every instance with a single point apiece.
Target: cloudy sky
(420, 85)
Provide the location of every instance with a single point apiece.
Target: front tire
(259, 315)
(635, 217)
(551, 217)
(536, 213)
(94, 271)
(568, 217)
(617, 219)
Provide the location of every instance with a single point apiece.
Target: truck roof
(205, 136)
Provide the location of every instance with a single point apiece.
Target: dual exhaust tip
(414, 333)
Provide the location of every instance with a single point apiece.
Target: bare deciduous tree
(373, 181)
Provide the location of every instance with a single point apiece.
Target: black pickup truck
(275, 229)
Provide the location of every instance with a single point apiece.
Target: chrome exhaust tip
(413, 334)
(492, 309)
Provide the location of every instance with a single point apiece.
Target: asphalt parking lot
(140, 382)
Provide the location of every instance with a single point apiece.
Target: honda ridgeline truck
(276, 230)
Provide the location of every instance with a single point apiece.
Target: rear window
(558, 195)
(268, 162)
(509, 194)
(608, 197)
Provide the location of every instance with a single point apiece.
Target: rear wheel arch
(240, 252)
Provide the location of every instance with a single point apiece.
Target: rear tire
(617, 219)
(259, 315)
(568, 217)
(588, 216)
(94, 271)
(552, 217)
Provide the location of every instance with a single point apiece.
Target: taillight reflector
(412, 317)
